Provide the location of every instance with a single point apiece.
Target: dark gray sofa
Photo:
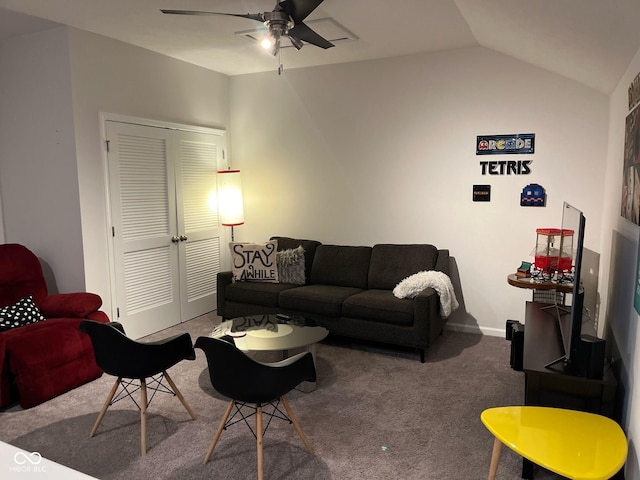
(348, 290)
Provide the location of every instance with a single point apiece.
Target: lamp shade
(230, 205)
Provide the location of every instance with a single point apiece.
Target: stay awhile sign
(254, 262)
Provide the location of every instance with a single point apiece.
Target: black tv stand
(552, 364)
(556, 387)
(560, 311)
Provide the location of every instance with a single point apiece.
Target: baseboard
(459, 327)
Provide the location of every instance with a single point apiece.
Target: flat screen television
(570, 321)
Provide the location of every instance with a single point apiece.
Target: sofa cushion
(379, 306)
(21, 313)
(317, 299)
(291, 266)
(390, 264)
(254, 262)
(256, 293)
(343, 266)
(310, 246)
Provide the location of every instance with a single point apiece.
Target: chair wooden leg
(216, 437)
(143, 417)
(179, 395)
(495, 457)
(294, 420)
(105, 406)
(259, 440)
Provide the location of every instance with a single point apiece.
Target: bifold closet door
(200, 156)
(166, 245)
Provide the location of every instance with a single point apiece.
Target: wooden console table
(551, 387)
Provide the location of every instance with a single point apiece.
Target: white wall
(384, 151)
(38, 174)
(620, 252)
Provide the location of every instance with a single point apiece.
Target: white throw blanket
(440, 282)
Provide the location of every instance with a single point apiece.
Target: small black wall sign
(482, 193)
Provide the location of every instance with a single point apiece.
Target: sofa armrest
(223, 280)
(426, 304)
(426, 294)
(426, 314)
(70, 305)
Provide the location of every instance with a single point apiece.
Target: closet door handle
(183, 238)
(175, 239)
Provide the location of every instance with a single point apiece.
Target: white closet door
(143, 211)
(166, 232)
(200, 157)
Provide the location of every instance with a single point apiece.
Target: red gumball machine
(554, 250)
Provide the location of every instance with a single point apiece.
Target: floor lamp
(230, 205)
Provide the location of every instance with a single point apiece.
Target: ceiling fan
(285, 20)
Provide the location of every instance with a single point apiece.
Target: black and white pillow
(22, 313)
(254, 262)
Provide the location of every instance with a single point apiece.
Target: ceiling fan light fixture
(267, 42)
(296, 42)
(275, 48)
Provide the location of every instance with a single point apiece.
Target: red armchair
(41, 360)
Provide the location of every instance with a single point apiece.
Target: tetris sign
(522, 143)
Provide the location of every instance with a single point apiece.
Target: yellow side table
(573, 444)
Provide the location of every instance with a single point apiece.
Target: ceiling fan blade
(303, 32)
(259, 17)
(298, 10)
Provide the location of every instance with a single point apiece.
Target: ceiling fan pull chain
(280, 65)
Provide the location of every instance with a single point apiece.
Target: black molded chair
(129, 360)
(246, 381)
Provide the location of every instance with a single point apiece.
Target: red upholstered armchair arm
(99, 316)
(70, 305)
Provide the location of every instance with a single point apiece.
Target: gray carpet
(377, 413)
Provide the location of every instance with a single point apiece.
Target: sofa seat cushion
(256, 293)
(379, 306)
(324, 300)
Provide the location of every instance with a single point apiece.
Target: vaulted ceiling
(590, 41)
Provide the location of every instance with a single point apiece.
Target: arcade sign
(521, 143)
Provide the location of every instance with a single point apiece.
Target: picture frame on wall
(630, 199)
